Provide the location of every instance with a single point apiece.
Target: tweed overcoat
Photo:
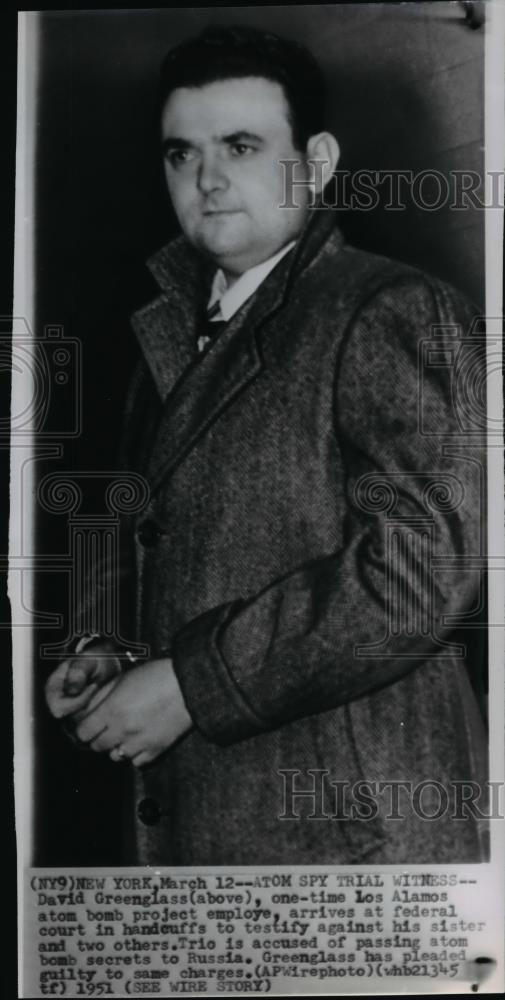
(316, 498)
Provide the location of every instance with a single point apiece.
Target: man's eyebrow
(173, 142)
(241, 136)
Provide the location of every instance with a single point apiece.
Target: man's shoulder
(345, 272)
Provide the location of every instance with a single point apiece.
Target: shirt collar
(230, 299)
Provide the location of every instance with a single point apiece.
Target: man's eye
(241, 149)
(178, 157)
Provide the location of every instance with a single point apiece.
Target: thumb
(76, 679)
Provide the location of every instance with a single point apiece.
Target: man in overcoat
(303, 569)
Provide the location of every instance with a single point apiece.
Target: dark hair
(234, 52)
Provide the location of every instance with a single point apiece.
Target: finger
(90, 741)
(105, 741)
(98, 696)
(131, 743)
(54, 684)
(99, 717)
(62, 706)
(61, 700)
(105, 668)
(130, 748)
(89, 668)
(92, 726)
(142, 758)
(78, 677)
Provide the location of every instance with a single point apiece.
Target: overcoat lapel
(165, 327)
(197, 388)
(204, 390)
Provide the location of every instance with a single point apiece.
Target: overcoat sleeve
(347, 624)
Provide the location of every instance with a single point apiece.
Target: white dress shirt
(231, 298)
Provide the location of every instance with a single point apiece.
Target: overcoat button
(148, 533)
(149, 811)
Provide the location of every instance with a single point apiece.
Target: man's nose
(212, 175)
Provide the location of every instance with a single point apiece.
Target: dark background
(405, 92)
(8, 30)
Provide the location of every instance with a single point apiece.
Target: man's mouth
(221, 211)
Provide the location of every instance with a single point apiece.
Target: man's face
(222, 145)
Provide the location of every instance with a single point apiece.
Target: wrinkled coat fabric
(315, 499)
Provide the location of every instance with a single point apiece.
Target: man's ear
(324, 151)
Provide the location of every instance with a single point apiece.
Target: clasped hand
(136, 714)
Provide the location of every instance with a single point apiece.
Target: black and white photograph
(256, 543)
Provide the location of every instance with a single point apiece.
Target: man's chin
(220, 249)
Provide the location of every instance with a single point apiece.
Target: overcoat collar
(196, 388)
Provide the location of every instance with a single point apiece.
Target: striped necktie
(210, 328)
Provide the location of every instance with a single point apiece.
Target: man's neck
(233, 276)
(232, 295)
